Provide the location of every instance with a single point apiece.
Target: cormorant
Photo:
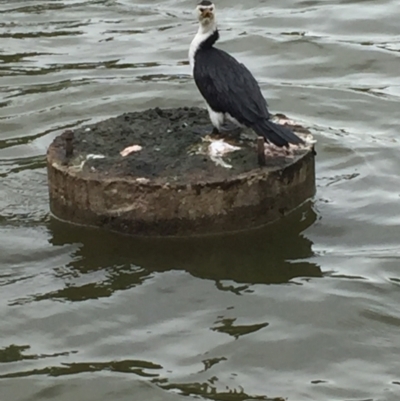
(228, 87)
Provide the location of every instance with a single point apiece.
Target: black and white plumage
(228, 87)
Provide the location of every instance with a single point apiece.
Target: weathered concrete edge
(247, 201)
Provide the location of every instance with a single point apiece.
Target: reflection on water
(272, 255)
(140, 368)
(107, 387)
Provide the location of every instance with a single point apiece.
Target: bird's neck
(207, 35)
(205, 38)
(207, 29)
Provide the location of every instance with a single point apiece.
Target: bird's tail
(275, 133)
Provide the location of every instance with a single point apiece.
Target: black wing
(228, 86)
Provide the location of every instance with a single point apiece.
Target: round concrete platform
(160, 172)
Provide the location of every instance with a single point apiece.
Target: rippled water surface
(306, 309)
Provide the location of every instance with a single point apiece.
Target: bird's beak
(206, 14)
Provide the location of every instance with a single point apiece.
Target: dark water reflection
(275, 254)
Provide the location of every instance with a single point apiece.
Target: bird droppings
(170, 145)
(142, 180)
(217, 149)
(93, 156)
(273, 151)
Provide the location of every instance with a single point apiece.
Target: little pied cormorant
(228, 87)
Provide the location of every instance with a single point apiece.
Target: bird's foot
(214, 135)
(215, 132)
(228, 131)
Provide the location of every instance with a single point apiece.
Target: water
(306, 309)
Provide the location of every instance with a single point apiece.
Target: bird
(229, 89)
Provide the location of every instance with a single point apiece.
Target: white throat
(204, 32)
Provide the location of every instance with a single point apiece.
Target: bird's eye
(212, 9)
(201, 9)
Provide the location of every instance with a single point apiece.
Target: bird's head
(206, 12)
